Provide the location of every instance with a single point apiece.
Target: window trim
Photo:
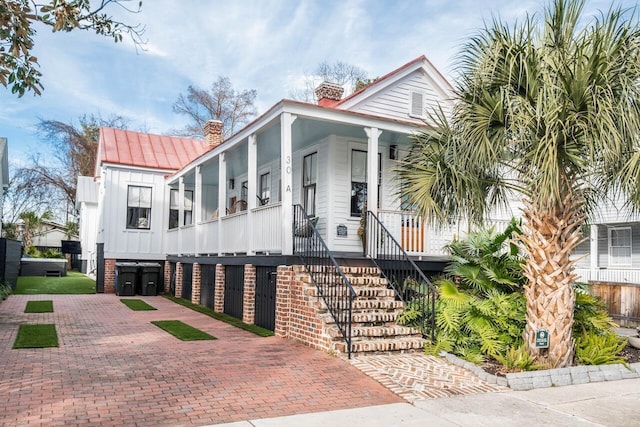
(366, 181)
(313, 184)
(612, 258)
(148, 217)
(264, 200)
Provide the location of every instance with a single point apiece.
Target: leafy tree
(547, 109)
(74, 149)
(344, 74)
(221, 102)
(18, 67)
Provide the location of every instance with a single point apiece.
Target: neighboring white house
(50, 235)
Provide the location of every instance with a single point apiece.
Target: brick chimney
(329, 94)
(213, 133)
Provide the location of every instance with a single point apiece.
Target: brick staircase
(375, 312)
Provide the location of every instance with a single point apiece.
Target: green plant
(517, 359)
(33, 252)
(593, 348)
(5, 291)
(590, 313)
(51, 253)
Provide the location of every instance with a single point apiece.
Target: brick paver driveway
(113, 367)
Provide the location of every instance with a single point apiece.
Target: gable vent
(417, 104)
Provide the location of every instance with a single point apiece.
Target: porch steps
(375, 312)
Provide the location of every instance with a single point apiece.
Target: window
(139, 207)
(174, 209)
(620, 246)
(265, 192)
(309, 174)
(188, 207)
(416, 104)
(359, 181)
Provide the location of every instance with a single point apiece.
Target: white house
(245, 224)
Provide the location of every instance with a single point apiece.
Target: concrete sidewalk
(615, 403)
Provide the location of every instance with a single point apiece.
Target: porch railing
(234, 230)
(267, 235)
(403, 275)
(333, 286)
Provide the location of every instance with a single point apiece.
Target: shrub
(593, 348)
(5, 291)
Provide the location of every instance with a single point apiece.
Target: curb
(551, 377)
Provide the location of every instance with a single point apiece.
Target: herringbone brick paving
(416, 376)
(113, 367)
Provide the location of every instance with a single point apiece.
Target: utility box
(149, 277)
(126, 278)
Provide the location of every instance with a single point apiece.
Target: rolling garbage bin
(149, 277)
(126, 278)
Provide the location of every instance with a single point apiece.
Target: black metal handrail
(403, 275)
(333, 286)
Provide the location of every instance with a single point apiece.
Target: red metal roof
(131, 148)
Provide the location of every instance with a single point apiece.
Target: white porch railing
(417, 238)
(208, 237)
(267, 228)
(187, 240)
(608, 275)
(234, 233)
(171, 243)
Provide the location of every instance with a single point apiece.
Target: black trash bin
(126, 278)
(149, 278)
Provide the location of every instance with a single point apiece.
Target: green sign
(542, 338)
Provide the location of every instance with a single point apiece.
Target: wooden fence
(622, 301)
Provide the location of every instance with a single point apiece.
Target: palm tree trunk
(549, 238)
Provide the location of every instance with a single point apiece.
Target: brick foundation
(196, 281)
(249, 295)
(218, 303)
(167, 276)
(178, 293)
(109, 276)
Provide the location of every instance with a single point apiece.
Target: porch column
(593, 253)
(180, 212)
(222, 198)
(252, 172)
(196, 208)
(286, 167)
(372, 168)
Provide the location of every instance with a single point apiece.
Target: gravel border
(551, 377)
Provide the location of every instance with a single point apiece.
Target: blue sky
(267, 45)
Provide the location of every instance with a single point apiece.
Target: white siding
(120, 242)
(395, 101)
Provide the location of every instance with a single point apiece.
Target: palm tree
(32, 222)
(547, 110)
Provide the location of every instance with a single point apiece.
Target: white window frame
(423, 96)
(615, 260)
(143, 222)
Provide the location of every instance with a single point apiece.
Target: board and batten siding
(323, 169)
(394, 101)
(123, 243)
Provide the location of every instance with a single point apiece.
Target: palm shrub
(481, 307)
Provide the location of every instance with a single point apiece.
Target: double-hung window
(265, 191)
(174, 209)
(620, 246)
(188, 207)
(359, 181)
(309, 179)
(138, 207)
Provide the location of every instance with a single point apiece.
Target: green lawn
(36, 336)
(73, 283)
(39, 307)
(182, 331)
(137, 304)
